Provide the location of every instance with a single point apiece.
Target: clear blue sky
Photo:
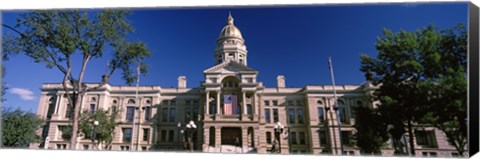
(292, 41)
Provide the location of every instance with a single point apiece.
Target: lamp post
(390, 129)
(178, 138)
(95, 124)
(278, 130)
(190, 128)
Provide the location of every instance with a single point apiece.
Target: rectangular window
(69, 112)
(165, 102)
(144, 148)
(92, 108)
(291, 116)
(127, 134)
(146, 134)
(188, 102)
(172, 115)
(195, 113)
(275, 115)
(301, 135)
(425, 138)
(164, 114)
(293, 137)
(266, 103)
(187, 114)
(323, 138)
(249, 109)
(346, 137)
(267, 116)
(213, 109)
(299, 103)
(433, 154)
(114, 109)
(269, 137)
(275, 103)
(290, 103)
(171, 135)
(85, 147)
(425, 154)
(125, 148)
(148, 113)
(130, 113)
(343, 117)
(163, 136)
(321, 116)
(195, 102)
(300, 116)
(173, 103)
(62, 146)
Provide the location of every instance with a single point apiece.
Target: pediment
(229, 67)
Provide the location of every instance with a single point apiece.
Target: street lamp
(95, 124)
(191, 127)
(278, 129)
(390, 129)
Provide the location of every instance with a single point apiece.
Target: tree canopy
(53, 37)
(104, 131)
(19, 127)
(421, 78)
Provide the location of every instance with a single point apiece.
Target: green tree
(371, 132)
(60, 38)
(446, 89)
(104, 131)
(421, 78)
(19, 127)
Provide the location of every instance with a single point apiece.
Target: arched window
(131, 101)
(51, 107)
(320, 111)
(341, 110)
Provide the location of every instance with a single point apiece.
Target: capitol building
(231, 110)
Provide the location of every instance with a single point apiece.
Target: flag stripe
(230, 105)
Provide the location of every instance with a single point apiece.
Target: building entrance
(231, 136)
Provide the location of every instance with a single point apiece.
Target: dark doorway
(231, 136)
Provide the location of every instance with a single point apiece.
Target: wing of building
(232, 111)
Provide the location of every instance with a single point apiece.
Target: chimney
(281, 81)
(182, 82)
(105, 78)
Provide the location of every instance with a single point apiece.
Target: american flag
(230, 105)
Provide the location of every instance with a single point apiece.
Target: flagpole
(335, 105)
(139, 107)
(136, 101)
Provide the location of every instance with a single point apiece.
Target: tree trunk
(73, 140)
(410, 134)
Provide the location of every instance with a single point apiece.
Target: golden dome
(230, 30)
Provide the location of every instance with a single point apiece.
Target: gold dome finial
(230, 19)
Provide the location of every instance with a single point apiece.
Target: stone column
(57, 103)
(244, 105)
(207, 103)
(218, 103)
(206, 138)
(244, 139)
(218, 138)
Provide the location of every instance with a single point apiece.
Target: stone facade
(307, 113)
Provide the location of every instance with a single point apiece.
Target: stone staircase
(230, 149)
